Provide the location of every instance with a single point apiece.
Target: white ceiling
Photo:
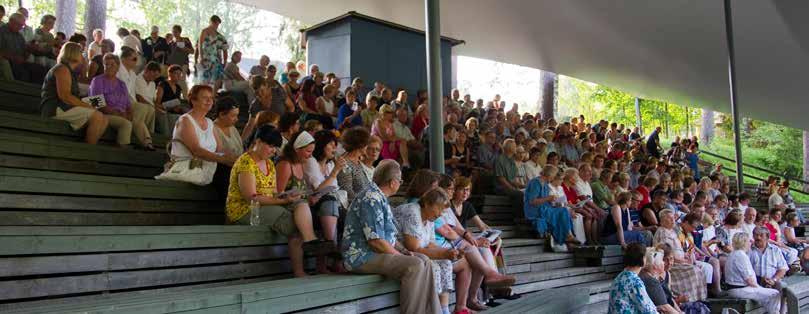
(671, 50)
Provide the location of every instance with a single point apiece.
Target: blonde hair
(71, 52)
(740, 241)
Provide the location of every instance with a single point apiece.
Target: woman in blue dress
(546, 211)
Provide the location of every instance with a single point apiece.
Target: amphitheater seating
(85, 228)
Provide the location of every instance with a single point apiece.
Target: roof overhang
(667, 50)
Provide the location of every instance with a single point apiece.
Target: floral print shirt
(368, 218)
(628, 295)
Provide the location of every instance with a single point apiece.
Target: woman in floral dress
(211, 55)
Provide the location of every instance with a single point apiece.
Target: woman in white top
(320, 173)
(325, 104)
(741, 279)
(194, 135)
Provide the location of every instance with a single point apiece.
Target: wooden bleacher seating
(85, 228)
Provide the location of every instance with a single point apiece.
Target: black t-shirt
(468, 212)
(643, 219)
(654, 288)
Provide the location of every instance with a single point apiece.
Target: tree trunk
(806, 160)
(548, 81)
(66, 17)
(708, 126)
(95, 17)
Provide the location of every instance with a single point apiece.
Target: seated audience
(194, 134)
(655, 280)
(170, 100)
(142, 115)
(260, 69)
(741, 278)
(618, 227)
(627, 293)
(14, 53)
(352, 178)
(60, 99)
(234, 81)
(320, 172)
(262, 102)
(118, 107)
(393, 147)
(414, 222)
(767, 260)
(546, 212)
(253, 179)
(369, 238)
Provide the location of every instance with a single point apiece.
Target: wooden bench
(743, 306)
(797, 293)
(279, 296)
(63, 261)
(561, 300)
(37, 197)
(42, 153)
(35, 123)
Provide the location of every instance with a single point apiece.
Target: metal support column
(734, 105)
(638, 118)
(433, 41)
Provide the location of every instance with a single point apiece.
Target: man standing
(653, 143)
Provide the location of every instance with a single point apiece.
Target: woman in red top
(420, 121)
(307, 98)
(644, 189)
(569, 179)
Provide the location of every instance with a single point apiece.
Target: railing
(747, 174)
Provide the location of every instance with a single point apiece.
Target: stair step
(531, 277)
(558, 278)
(541, 266)
(519, 259)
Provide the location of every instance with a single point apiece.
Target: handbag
(187, 169)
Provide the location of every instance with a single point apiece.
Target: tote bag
(187, 169)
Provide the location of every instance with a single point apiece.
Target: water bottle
(255, 218)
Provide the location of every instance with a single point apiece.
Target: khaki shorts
(279, 218)
(76, 116)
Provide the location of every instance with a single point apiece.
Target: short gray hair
(761, 230)
(386, 171)
(740, 240)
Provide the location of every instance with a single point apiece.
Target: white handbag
(191, 170)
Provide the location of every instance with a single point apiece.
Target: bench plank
(79, 203)
(36, 145)
(29, 218)
(78, 166)
(36, 181)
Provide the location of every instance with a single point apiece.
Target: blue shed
(356, 45)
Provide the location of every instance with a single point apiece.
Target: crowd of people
(318, 162)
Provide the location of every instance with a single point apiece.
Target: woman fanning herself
(253, 178)
(290, 179)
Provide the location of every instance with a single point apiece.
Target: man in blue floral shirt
(369, 241)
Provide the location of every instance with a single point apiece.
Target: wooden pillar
(806, 160)
(708, 126)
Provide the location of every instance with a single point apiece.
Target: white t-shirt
(94, 49)
(748, 228)
(775, 200)
(583, 188)
(145, 89)
(130, 78)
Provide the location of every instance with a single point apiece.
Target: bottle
(255, 218)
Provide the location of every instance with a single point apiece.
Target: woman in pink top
(393, 147)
